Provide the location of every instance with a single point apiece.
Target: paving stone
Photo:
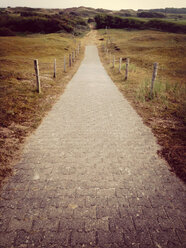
(102, 212)
(72, 224)
(110, 237)
(40, 224)
(20, 224)
(22, 238)
(85, 212)
(54, 238)
(94, 225)
(83, 238)
(125, 224)
(96, 201)
(106, 192)
(7, 239)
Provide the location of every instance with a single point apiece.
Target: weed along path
(90, 176)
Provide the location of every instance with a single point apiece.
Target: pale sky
(106, 4)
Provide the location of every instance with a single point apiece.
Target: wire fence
(123, 64)
(35, 70)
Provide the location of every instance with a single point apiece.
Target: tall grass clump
(162, 91)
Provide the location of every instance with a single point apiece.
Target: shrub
(134, 23)
(6, 32)
(41, 23)
(25, 14)
(166, 26)
(118, 22)
(150, 15)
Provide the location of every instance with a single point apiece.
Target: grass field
(165, 113)
(22, 108)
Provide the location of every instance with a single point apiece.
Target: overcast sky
(107, 4)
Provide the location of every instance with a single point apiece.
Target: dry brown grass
(166, 112)
(21, 107)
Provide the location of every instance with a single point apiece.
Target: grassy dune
(166, 112)
(22, 108)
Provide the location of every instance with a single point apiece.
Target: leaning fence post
(64, 64)
(70, 60)
(154, 74)
(54, 68)
(36, 66)
(110, 57)
(120, 61)
(127, 69)
(113, 61)
(72, 57)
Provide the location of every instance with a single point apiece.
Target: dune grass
(165, 112)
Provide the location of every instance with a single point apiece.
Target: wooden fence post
(70, 60)
(120, 61)
(54, 68)
(64, 64)
(113, 61)
(36, 66)
(110, 57)
(106, 30)
(127, 69)
(154, 74)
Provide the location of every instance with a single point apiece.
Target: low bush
(118, 22)
(6, 32)
(166, 26)
(146, 14)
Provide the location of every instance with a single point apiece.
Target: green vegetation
(136, 23)
(145, 14)
(32, 22)
(168, 10)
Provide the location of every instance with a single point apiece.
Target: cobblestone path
(90, 176)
